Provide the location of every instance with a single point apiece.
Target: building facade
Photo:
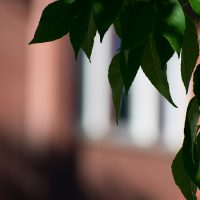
(47, 99)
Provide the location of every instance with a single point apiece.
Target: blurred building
(51, 103)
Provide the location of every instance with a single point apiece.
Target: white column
(174, 118)
(143, 112)
(96, 90)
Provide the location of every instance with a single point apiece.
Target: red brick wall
(12, 64)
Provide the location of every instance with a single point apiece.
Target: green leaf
(164, 49)
(123, 65)
(182, 180)
(190, 52)
(197, 155)
(79, 23)
(54, 22)
(116, 83)
(190, 130)
(195, 5)
(117, 27)
(105, 12)
(151, 65)
(89, 39)
(196, 80)
(137, 22)
(172, 22)
(130, 67)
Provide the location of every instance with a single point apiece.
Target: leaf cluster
(150, 31)
(186, 165)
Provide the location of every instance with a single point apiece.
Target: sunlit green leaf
(172, 22)
(195, 5)
(151, 66)
(54, 22)
(182, 180)
(116, 83)
(190, 52)
(105, 12)
(137, 22)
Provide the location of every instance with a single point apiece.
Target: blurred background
(58, 136)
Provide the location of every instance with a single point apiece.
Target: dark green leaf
(79, 23)
(130, 67)
(164, 49)
(117, 27)
(123, 65)
(190, 129)
(137, 22)
(196, 80)
(197, 155)
(182, 180)
(190, 52)
(151, 66)
(68, 2)
(89, 39)
(172, 22)
(54, 22)
(195, 5)
(116, 83)
(105, 12)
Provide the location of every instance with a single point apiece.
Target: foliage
(151, 31)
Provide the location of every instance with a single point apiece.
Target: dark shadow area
(26, 175)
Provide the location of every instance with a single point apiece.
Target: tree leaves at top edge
(137, 22)
(151, 65)
(117, 27)
(88, 42)
(164, 49)
(116, 83)
(79, 23)
(171, 21)
(181, 178)
(190, 52)
(54, 22)
(105, 12)
(62, 17)
(129, 67)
